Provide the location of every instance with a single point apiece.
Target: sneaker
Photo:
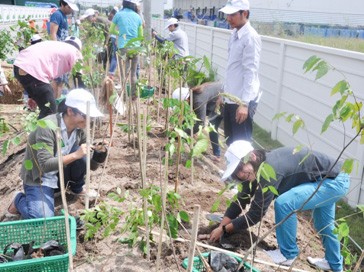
(91, 193)
(319, 263)
(278, 258)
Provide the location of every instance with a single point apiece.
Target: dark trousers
(214, 136)
(234, 131)
(42, 93)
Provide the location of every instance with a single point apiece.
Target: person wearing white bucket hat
(304, 180)
(42, 181)
(177, 36)
(241, 78)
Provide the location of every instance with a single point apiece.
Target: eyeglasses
(76, 111)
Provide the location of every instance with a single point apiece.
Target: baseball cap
(74, 41)
(185, 93)
(171, 21)
(233, 6)
(35, 38)
(236, 151)
(78, 99)
(72, 4)
(88, 12)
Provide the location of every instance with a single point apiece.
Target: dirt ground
(122, 170)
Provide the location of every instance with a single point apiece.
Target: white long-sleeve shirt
(242, 78)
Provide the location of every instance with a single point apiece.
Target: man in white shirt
(242, 72)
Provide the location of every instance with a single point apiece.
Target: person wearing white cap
(204, 105)
(177, 36)
(42, 181)
(59, 22)
(304, 179)
(241, 79)
(129, 24)
(89, 15)
(40, 63)
(36, 38)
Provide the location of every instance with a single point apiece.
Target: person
(4, 88)
(177, 36)
(204, 105)
(36, 38)
(129, 24)
(41, 182)
(112, 47)
(241, 79)
(304, 179)
(89, 16)
(36, 65)
(58, 20)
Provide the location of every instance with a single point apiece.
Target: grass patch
(263, 140)
(354, 219)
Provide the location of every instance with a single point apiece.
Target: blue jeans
(113, 61)
(38, 201)
(214, 136)
(323, 206)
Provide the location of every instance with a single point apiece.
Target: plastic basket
(198, 265)
(40, 231)
(147, 91)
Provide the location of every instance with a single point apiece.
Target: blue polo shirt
(128, 23)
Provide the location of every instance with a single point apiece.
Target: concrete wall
(287, 89)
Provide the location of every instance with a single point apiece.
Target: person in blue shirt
(58, 20)
(129, 24)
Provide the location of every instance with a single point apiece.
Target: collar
(242, 30)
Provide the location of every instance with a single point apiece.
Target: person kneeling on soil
(41, 182)
(205, 97)
(304, 179)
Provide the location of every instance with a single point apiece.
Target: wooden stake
(64, 200)
(88, 156)
(191, 251)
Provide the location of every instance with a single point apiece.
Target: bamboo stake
(192, 138)
(64, 200)
(191, 251)
(88, 147)
(164, 197)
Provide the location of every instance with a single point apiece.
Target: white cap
(236, 151)
(72, 4)
(78, 99)
(136, 2)
(74, 41)
(88, 12)
(171, 21)
(182, 93)
(35, 37)
(116, 8)
(233, 6)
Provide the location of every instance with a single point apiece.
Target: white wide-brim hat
(171, 21)
(78, 99)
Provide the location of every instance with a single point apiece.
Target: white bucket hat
(74, 41)
(78, 99)
(72, 4)
(233, 6)
(236, 151)
(171, 21)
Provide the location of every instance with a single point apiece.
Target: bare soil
(122, 170)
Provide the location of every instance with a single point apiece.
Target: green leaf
(322, 69)
(328, 121)
(279, 115)
(5, 146)
(297, 125)
(348, 165)
(188, 164)
(181, 133)
(28, 164)
(184, 216)
(340, 87)
(215, 205)
(273, 190)
(16, 140)
(311, 62)
(200, 147)
(46, 124)
(266, 171)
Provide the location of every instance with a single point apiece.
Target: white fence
(287, 89)
(10, 14)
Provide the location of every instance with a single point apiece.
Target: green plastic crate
(40, 231)
(199, 267)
